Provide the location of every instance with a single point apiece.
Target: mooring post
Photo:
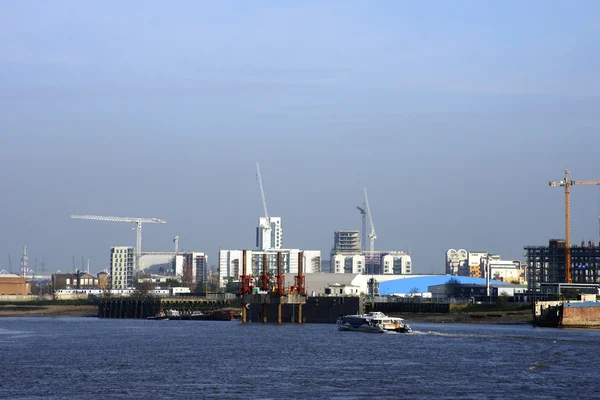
(264, 313)
(244, 280)
(279, 288)
(264, 286)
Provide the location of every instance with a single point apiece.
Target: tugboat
(375, 322)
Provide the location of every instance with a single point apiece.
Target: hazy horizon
(454, 116)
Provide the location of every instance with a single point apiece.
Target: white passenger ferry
(375, 321)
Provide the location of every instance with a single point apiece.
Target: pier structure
(272, 290)
(149, 306)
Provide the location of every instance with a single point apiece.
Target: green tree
(201, 287)
(451, 285)
(172, 282)
(230, 287)
(144, 287)
(502, 300)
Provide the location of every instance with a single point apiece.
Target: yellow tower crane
(566, 183)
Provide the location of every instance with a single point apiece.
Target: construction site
(561, 266)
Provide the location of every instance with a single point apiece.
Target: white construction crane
(372, 235)
(267, 226)
(137, 221)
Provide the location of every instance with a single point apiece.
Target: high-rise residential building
(348, 257)
(457, 262)
(346, 242)
(197, 266)
(122, 260)
(269, 236)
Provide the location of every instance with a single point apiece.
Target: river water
(68, 358)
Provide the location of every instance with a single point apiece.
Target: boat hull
(373, 322)
(373, 329)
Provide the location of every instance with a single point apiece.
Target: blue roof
(421, 283)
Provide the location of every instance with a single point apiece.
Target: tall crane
(566, 183)
(137, 221)
(267, 226)
(372, 235)
(363, 232)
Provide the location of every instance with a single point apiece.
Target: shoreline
(30, 310)
(89, 310)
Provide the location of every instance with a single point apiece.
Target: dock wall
(581, 316)
(318, 309)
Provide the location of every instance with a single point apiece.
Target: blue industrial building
(419, 284)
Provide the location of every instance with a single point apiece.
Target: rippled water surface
(131, 359)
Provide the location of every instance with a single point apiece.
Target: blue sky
(453, 115)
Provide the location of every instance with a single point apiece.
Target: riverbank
(48, 310)
(471, 318)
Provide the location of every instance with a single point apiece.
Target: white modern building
(347, 257)
(375, 262)
(503, 270)
(396, 263)
(348, 264)
(231, 262)
(269, 234)
(122, 260)
(195, 264)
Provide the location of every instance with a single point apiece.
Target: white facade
(269, 237)
(156, 263)
(396, 263)
(475, 259)
(122, 260)
(456, 261)
(325, 284)
(231, 262)
(504, 270)
(348, 264)
(180, 290)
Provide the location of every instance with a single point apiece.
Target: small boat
(198, 316)
(375, 321)
(173, 314)
(159, 315)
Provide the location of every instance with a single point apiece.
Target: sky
(454, 115)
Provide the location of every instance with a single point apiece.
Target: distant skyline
(454, 116)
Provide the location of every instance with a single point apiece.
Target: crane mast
(267, 226)
(372, 235)
(567, 183)
(262, 192)
(137, 221)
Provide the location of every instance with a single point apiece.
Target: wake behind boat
(375, 321)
